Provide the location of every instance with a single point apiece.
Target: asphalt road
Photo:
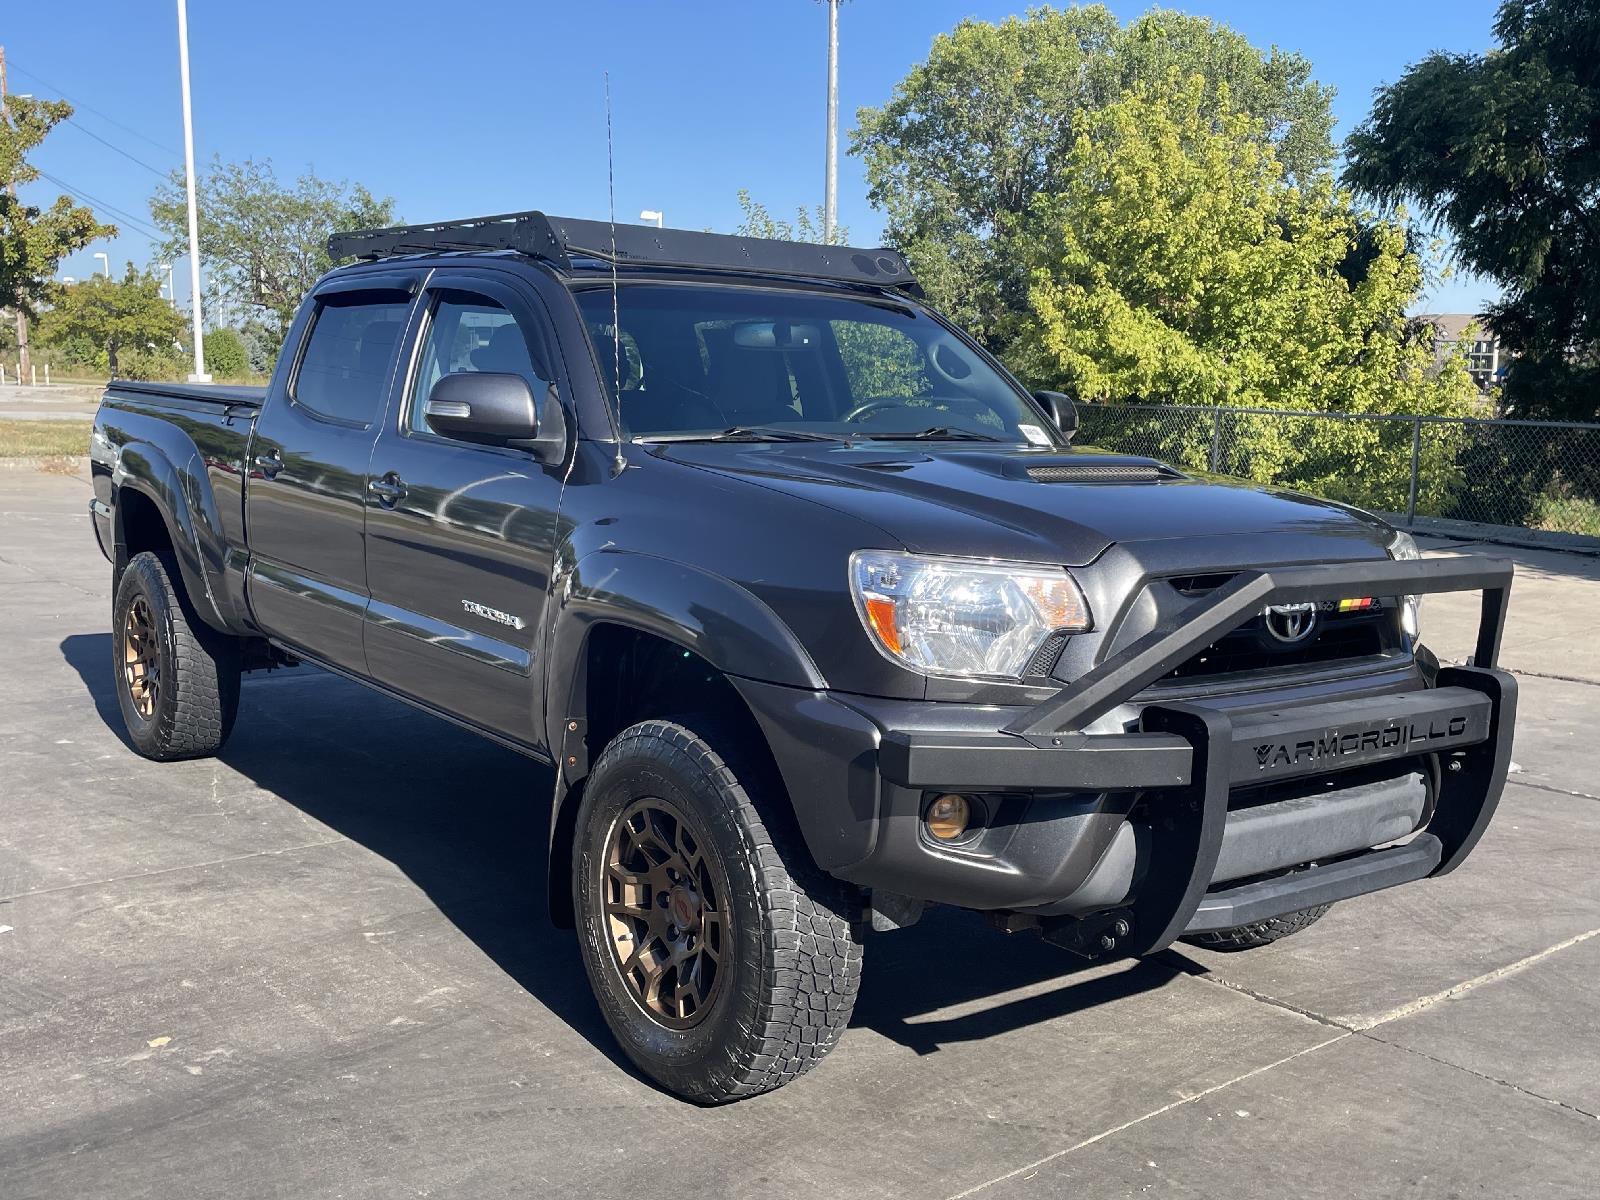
(318, 966)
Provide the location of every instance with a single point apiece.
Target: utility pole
(830, 204)
(199, 375)
(11, 187)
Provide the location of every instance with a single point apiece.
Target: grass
(43, 439)
(1567, 514)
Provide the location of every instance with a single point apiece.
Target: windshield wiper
(745, 433)
(934, 433)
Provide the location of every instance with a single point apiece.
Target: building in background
(1484, 360)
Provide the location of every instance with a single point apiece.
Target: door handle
(390, 489)
(269, 463)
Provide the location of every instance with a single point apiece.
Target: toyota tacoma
(815, 612)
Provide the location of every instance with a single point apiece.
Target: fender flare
(722, 622)
(189, 512)
(708, 615)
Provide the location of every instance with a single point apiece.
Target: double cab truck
(814, 613)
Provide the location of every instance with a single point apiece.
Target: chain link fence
(1526, 482)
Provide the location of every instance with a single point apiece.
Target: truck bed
(214, 393)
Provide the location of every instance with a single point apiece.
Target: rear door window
(349, 354)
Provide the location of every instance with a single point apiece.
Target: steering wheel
(865, 409)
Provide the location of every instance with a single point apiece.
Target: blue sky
(496, 105)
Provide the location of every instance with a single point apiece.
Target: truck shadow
(467, 822)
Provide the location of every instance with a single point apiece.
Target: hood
(1032, 504)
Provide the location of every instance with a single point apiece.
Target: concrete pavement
(58, 402)
(318, 966)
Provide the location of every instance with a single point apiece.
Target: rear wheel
(177, 679)
(1259, 933)
(725, 963)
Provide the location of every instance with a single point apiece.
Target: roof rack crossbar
(526, 232)
(559, 239)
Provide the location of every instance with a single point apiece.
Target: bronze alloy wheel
(664, 895)
(141, 658)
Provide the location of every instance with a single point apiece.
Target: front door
(460, 536)
(305, 502)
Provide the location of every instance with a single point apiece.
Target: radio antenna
(616, 315)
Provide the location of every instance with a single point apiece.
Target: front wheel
(724, 961)
(177, 679)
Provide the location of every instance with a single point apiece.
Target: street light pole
(11, 187)
(830, 206)
(106, 259)
(199, 375)
(651, 214)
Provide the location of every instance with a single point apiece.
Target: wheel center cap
(684, 906)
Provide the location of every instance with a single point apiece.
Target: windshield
(767, 362)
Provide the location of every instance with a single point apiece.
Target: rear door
(460, 536)
(305, 502)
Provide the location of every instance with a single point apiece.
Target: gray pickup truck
(815, 614)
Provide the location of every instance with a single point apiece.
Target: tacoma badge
(492, 614)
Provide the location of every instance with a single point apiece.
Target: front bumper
(1164, 823)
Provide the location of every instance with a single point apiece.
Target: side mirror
(1061, 409)
(483, 406)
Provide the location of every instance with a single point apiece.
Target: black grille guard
(1148, 658)
(1192, 755)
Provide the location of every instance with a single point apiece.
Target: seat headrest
(377, 346)
(504, 352)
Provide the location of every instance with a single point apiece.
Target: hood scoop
(1101, 473)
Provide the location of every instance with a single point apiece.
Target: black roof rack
(559, 240)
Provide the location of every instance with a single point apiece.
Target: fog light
(947, 817)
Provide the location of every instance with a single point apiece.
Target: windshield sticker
(1035, 435)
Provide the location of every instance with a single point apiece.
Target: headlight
(1403, 547)
(956, 616)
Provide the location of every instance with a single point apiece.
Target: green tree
(1176, 263)
(265, 243)
(226, 355)
(34, 240)
(120, 317)
(1501, 149)
(807, 226)
(971, 136)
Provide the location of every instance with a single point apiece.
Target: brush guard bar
(1188, 756)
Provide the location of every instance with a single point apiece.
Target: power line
(160, 174)
(87, 108)
(84, 197)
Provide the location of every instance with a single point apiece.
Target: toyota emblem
(1290, 623)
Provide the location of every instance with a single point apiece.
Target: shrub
(225, 354)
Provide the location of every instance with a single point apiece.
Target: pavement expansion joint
(1204, 974)
(1559, 791)
(1412, 1007)
(197, 866)
(1445, 1062)
(1026, 1168)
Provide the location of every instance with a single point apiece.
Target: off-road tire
(793, 956)
(1259, 933)
(198, 697)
